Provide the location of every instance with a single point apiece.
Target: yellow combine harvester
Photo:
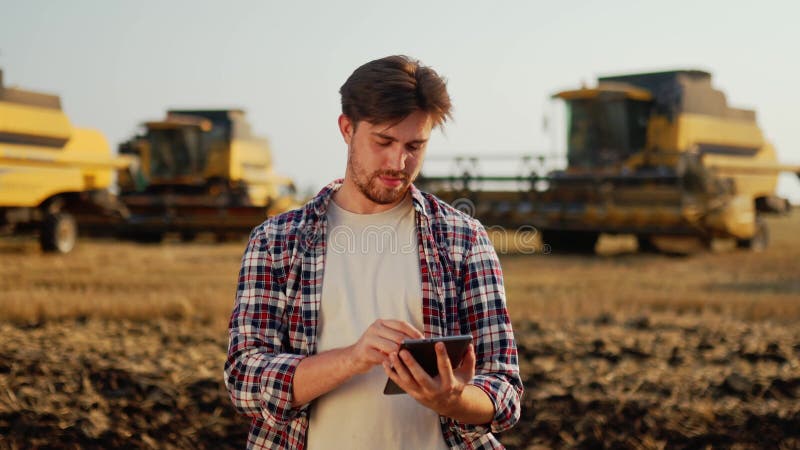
(54, 178)
(656, 155)
(197, 171)
(194, 171)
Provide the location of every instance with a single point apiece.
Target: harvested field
(115, 384)
(122, 345)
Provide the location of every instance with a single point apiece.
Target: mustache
(391, 174)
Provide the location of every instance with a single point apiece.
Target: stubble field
(122, 345)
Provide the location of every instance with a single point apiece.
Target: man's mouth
(392, 181)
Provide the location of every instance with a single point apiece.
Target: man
(327, 293)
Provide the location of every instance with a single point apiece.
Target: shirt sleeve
(259, 371)
(482, 308)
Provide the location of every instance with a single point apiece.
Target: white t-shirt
(371, 272)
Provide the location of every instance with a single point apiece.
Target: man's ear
(347, 128)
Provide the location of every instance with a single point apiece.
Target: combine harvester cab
(54, 178)
(200, 171)
(657, 155)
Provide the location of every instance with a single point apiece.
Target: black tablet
(424, 353)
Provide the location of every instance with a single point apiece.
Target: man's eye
(413, 148)
(384, 143)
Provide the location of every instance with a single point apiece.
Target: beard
(371, 186)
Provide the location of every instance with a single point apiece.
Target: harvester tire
(646, 244)
(59, 233)
(188, 236)
(222, 237)
(148, 237)
(759, 241)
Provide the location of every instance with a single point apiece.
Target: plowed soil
(122, 346)
(640, 383)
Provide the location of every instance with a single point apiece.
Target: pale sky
(116, 64)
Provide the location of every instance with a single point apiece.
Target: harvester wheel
(582, 242)
(222, 237)
(759, 241)
(646, 244)
(188, 236)
(59, 233)
(148, 237)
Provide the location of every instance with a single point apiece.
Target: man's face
(384, 159)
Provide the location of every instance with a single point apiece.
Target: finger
(417, 372)
(375, 356)
(382, 344)
(390, 334)
(386, 330)
(389, 369)
(403, 327)
(466, 371)
(404, 377)
(445, 367)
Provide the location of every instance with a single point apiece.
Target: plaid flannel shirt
(274, 321)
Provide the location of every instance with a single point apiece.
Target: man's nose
(396, 158)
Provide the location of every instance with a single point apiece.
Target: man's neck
(350, 198)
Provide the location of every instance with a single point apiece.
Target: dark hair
(387, 90)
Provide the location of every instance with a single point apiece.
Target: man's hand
(449, 393)
(381, 339)
(321, 373)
